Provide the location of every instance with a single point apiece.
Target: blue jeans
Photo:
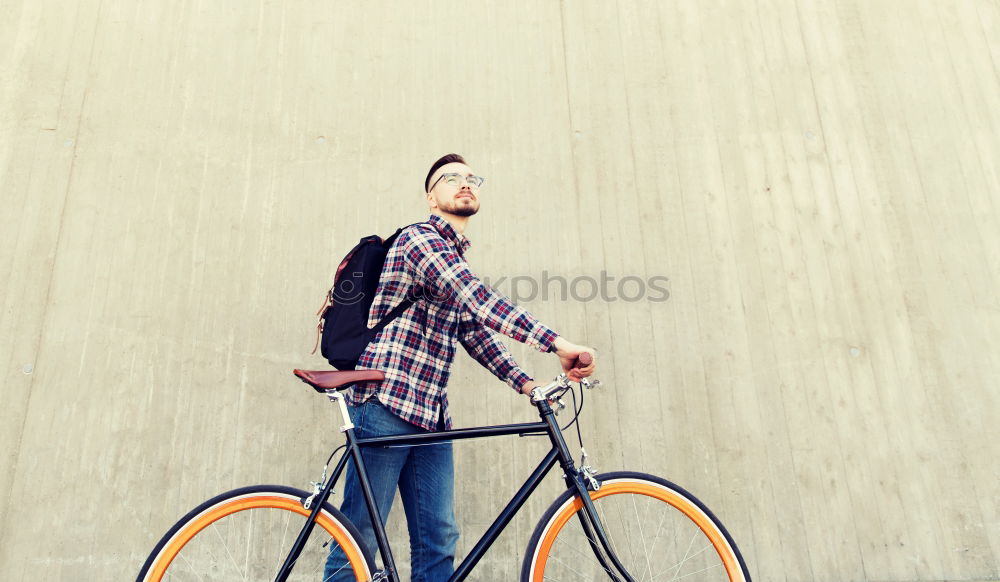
(425, 476)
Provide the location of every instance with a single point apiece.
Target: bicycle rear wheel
(658, 530)
(245, 534)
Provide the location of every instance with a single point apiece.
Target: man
(415, 351)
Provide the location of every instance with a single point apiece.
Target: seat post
(338, 397)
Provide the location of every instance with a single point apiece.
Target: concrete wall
(819, 182)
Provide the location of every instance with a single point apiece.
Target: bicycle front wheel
(246, 534)
(658, 530)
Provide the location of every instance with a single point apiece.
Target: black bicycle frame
(558, 453)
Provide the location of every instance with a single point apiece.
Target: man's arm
(444, 275)
(481, 343)
(489, 351)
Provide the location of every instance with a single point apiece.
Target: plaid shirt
(415, 350)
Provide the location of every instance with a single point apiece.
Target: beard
(462, 209)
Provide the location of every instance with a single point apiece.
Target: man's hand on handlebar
(568, 353)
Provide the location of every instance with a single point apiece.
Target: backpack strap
(406, 303)
(392, 238)
(393, 314)
(319, 325)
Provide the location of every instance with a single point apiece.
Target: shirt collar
(449, 233)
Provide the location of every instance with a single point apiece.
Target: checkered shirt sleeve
(446, 276)
(482, 344)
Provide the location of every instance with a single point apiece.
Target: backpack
(342, 331)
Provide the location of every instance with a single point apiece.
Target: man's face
(461, 199)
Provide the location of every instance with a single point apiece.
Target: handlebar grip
(583, 360)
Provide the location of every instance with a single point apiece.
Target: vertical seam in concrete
(844, 216)
(982, 26)
(833, 186)
(48, 288)
(716, 417)
(635, 184)
(956, 82)
(576, 189)
(770, 455)
(569, 107)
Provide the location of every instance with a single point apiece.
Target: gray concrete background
(819, 182)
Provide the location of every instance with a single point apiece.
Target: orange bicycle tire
(270, 497)
(696, 516)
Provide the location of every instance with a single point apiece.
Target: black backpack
(342, 331)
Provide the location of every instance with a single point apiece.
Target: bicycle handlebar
(558, 386)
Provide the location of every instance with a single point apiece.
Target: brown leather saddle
(326, 380)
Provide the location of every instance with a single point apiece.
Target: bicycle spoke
(628, 538)
(228, 553)
(642, 535)
(612, 537)
(335, 572)
(659, 527)
(713, 566)
(687, 556)
(246, 562)
(183, 557)
(590, 555)
(604, 520)
(684, 559)
(572, 569)
(284, 537)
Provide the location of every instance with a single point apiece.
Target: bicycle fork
(589, 519)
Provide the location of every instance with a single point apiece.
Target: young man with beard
(415, 351)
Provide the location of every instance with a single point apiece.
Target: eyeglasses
(454, 179)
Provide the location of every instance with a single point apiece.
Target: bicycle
(631, 526)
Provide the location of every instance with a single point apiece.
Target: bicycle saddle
(324, 380)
